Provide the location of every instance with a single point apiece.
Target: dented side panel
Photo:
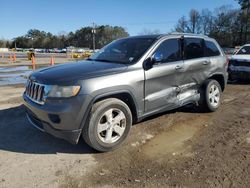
(167, 87)
(196, 70)
(161, 86)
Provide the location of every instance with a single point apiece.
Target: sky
(57, 16)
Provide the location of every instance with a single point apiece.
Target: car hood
(70, 73)
(240, 57)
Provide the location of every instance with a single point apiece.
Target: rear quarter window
(211, 49)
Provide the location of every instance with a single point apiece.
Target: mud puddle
(15, 75)
(175, 141)
(245, 111)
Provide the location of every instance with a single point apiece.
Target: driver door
(161, 87)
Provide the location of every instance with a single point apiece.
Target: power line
(144, 23)
(150, 23)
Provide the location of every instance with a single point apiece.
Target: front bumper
(70, 136)
(62, 118)
(239, 69)
(239, 73)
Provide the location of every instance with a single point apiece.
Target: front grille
(35, 92)
(239, 63)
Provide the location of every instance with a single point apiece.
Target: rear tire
(109, 125)
(210, 96)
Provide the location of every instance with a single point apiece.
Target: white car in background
(239, 64)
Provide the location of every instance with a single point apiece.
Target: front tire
(109, 124)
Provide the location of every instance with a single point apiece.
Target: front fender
(109, 93)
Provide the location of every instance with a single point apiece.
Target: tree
(182, 25)
(192, 25)
(7, 45)
(206, 21)
(80, 38)
(104, 35)
(2, 44)
(149, 32)
(226, 24)
(194, 21)
(22, 42)
(245, 19)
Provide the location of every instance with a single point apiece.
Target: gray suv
(126, 81)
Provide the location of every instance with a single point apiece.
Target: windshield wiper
(106, 60)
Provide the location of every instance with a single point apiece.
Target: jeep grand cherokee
(126, 81)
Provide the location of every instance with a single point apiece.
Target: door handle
(206, 62)
(178, 67)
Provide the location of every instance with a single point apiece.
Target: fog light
(54, 118)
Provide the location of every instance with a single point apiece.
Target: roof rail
(190, 34)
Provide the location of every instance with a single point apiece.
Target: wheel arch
(122, 95)
(220, 79)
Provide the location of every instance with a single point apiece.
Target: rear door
(218, 62)
(160, 81)
(195, 66)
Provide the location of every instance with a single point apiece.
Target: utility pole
(93, 33)
(31, 41)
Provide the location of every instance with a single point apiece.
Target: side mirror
(157, 57)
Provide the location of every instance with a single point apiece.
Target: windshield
(244, 51)
(126, 51)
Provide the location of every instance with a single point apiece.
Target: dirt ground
(181, 148)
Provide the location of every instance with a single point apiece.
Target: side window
(170, 50)
(211, 49)
(193, 48)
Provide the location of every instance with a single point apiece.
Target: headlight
(63, 91)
